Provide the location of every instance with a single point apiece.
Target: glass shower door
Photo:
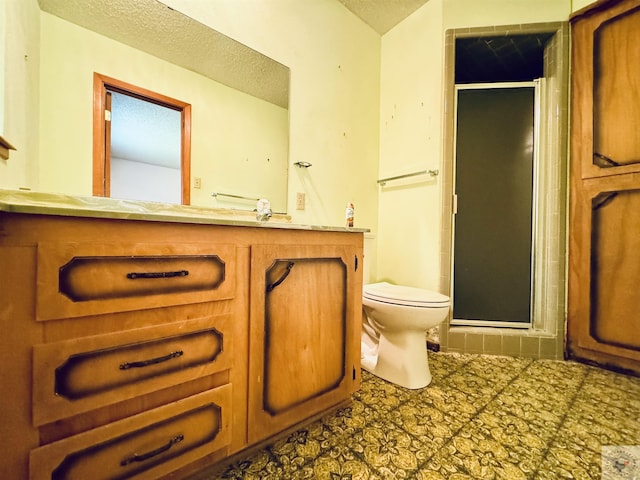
(493, 224)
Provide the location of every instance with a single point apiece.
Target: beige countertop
(39, 203)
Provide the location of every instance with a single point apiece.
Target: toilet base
(400, 359)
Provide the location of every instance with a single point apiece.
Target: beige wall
(410, 124)
(3, 42)
(20, 70)
(580, 4)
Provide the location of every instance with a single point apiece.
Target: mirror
(258, 167)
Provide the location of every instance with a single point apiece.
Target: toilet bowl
(395, 322)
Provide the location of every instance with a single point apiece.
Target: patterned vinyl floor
(482, 417)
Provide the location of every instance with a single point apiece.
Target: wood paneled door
(604, 250)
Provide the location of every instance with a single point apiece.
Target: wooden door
(304, 351)
(604, 250)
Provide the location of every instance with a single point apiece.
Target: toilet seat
(407, 296)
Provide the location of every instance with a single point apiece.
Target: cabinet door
(604, 252)
(304, 348)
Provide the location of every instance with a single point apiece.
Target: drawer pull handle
(151, 361)
(146, 456)
(179, 273)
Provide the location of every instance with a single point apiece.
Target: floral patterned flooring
(482, 417)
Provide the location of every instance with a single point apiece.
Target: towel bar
(433, 173)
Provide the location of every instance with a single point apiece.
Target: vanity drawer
(83, 374)
(147, 445)
(79, 279)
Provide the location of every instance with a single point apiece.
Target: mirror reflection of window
(145, 150)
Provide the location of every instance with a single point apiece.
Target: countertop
(39, 203)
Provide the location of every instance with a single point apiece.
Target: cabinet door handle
(151, 361)
(146, 456)
(135, 275)
(286, 273)
(603, 161)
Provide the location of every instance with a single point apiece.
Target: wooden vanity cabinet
(147, 349)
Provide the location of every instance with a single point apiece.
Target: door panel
(606, 97)
(604, 270)
(616, 42)
(303, 333)
(314, 358)
(493, 223)
(615, 268)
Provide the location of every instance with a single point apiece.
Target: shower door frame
(537, 86)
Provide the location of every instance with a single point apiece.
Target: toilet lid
(401, 295)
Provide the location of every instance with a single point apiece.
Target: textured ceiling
(383, 15)
(145, 132)
(154, 28)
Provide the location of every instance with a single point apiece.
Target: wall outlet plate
(299, 201)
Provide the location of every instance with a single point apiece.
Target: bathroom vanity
(149, 341)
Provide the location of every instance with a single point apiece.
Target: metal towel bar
(433, 173)
(219, 194)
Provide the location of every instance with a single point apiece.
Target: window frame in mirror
(101, 170)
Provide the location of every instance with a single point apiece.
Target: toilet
(395, 321)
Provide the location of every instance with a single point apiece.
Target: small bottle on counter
(263, 210)
(349, 215)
